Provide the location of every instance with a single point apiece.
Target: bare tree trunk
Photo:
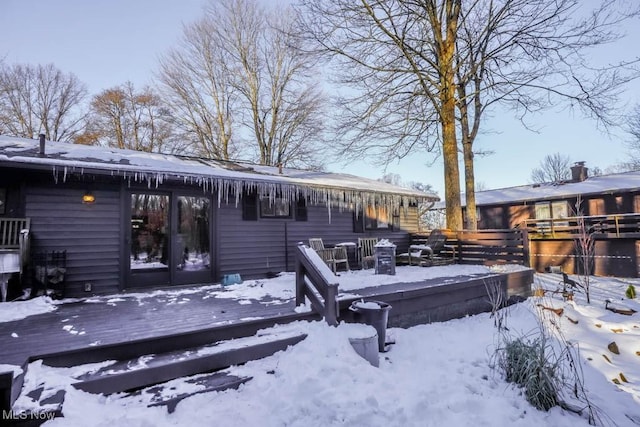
(467, 136)
(446, 46)
(451, 170)
(471, 214)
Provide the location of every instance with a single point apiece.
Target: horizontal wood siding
(89, 233)
(615, 257)
(254, 248)
(409, 220)
(251, 248)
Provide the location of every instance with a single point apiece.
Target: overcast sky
(108, 42)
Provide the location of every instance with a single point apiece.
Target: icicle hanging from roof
(342, 198)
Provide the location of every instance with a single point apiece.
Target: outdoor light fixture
(88, 198)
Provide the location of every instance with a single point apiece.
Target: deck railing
(601, 226)
(315, 281)
(10, 229)
(14, 236)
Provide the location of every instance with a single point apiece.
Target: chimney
(41, 153)
(579, 172)
(280, 168)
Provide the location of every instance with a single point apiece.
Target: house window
(552, 210)
(492, 217)
(543, 210)
(596, 207)
(275, 208)
(560, 209)
(549, 210)
(379, 217)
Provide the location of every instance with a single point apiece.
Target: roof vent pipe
(41, 153)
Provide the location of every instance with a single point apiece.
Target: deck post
(331, 305)
(459, 246)
(299, 276)
(526, 250)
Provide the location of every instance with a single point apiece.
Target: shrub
(527, 364)
(631, 292)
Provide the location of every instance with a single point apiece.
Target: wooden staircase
(145, 375)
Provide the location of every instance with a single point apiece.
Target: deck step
(158, 368)
(153, 377)
(166, 395)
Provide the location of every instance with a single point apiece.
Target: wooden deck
(125, 326)
(105, 321)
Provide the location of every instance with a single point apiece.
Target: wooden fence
(509, 246)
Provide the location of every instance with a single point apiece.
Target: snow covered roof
(64, 159)
(604, 184)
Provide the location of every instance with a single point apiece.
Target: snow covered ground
(440, 374)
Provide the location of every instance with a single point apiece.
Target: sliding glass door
(169, 240)
(149, 243)
(193, 239)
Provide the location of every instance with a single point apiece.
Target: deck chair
(366, 251)
(429, 252)
(340, 257)
(331, 256)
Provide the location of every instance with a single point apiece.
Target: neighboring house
(130, 219)
(606, 199)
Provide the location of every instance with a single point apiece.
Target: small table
(9, 264)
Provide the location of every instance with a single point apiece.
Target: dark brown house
(129, 219)
(609, 205)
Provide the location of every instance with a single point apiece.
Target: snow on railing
(316, 281)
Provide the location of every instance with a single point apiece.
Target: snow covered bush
(527, 363)
(545, 364)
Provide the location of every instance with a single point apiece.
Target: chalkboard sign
(385, 257)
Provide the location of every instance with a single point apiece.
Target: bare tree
(423, 73)
(554, 168)
(240, 72)
(632, 162)
(275, 83)
(197, 86)
(40, 99)
(123, 117)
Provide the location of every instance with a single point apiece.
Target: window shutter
(250, 206)
(395, 222)
(301, 209)
(358, 222)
